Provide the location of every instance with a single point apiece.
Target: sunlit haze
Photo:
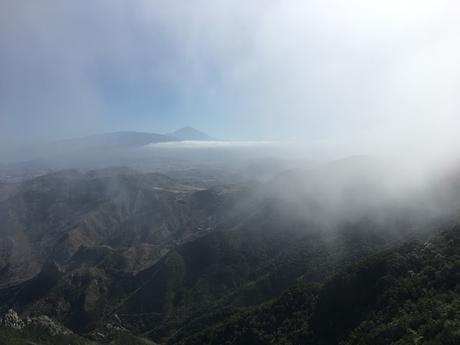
(373, 77)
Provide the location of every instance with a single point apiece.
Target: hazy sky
(361, 72)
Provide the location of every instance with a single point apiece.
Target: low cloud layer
(191, 144)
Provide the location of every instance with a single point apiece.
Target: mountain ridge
(107, 141)
(189, 133)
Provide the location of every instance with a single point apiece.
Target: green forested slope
(409, 295)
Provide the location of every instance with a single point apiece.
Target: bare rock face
(46, 324)
(115, 324)
(12, 320)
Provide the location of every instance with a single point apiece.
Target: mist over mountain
(163, 257)
(315, 200)
(200, 242)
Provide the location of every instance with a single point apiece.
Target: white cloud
(192, 144)
(371, 75)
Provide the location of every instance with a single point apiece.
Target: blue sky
(312, 71)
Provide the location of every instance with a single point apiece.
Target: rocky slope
(139, 216)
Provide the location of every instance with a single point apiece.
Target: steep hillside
(51, 217)
(408, 295)
(113, 252)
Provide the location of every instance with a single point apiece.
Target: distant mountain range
(133, 139)
(105, 142)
